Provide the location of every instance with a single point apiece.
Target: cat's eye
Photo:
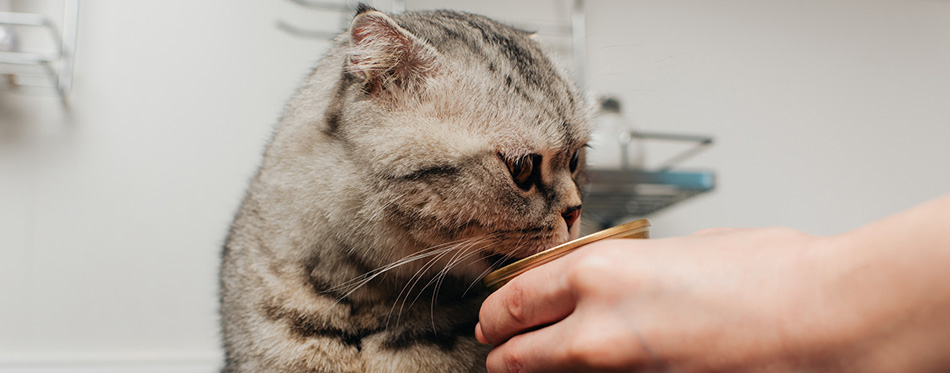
(574, 159)
(523, 169)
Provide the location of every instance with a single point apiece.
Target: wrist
(820, 321)
(876, 297)
(840, 319)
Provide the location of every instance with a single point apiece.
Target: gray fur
(396, 145)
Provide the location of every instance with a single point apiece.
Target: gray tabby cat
(423, 151)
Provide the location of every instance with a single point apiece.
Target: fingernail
(478, 334)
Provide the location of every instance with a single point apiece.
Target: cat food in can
(635, 229)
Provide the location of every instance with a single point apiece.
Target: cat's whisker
(358, 282)
(376, 272)
(417, 276)
(348, 287)
(413, 280)
(466, 253)
(493, 266)
(462, 254)
(452, 264)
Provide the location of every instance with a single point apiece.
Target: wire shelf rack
(26, 66)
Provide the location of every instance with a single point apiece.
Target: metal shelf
(25, 67)
(615, 194)
(634, 191)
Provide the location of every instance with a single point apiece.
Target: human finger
(538, 297)
(585, 341)
(539, 350)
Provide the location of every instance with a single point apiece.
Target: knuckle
(578, 351)
(587, 352)
(514, 303)
(587, 273)
(506, 359)
(605, 350)
(514, 363)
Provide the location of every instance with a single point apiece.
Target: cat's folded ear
(383, 53)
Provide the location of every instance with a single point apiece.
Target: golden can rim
(635, 229)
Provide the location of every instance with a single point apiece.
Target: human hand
(725, 299)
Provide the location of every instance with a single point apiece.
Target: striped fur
(384, 196)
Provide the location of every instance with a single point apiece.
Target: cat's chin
(500, 257)
(496, 260)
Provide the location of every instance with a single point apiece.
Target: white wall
(827, 115)
(114, 212)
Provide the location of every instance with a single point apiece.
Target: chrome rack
(628, 191)
(345, 11)
(21, 66)
(613, 194)
(347, 8)
(344, 8)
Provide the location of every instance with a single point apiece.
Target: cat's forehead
(497, 84)
(526, 122)
(520, 135)
(506, 54)
(503, 129)
(500, 81)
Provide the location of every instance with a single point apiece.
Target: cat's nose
(571, 214)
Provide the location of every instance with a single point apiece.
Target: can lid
(634, 229)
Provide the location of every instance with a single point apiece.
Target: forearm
(891, 279)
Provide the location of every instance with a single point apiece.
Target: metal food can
(634, 229)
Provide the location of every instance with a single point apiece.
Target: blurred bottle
(612, 146)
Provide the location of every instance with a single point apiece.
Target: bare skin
(876, 299)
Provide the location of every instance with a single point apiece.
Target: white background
(826, 114)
